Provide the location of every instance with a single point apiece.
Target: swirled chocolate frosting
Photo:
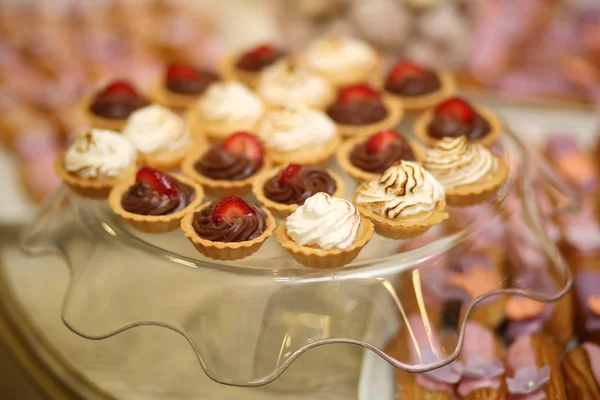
(221, 165)
(142, 199)
(235, 229)
(415, 85)
(117, 106)
(249, 62)
(307, 182)
(443, 126)
(382, 160)
(358, 112)
(192, 86)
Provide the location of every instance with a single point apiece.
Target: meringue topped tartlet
(111, 106)
(325, 232)
(96, 161)
(228, 229)
(469, 172)
(182, 84)
(404, 202)
(360, 109)
(416, 86)
(456, 117)
(224, 108)
(343, 60)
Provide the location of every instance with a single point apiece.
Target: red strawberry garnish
(118, 88)
(230, 207)
(381, 140)
(456, 109)
(182, 71)
(258, 57)
(245, 144)
(403, 70)
(358, 92)
(288, 173)
(262, 51)
(157, 180)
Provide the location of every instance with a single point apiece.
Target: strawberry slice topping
(289, 173)
(182, 71)
(157, 180)
(230, 207)
(403, 70)
(456, 109)
(258, 57)
(357, 92)
(245, 144)
(118, 88)
(381, 140)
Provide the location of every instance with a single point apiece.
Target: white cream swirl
(457, 161)
(405, 189)
(325, 222)
(334, 54)
(99, 154)
(294, 128)
(157, 130)
(226, 102)
(285, 83)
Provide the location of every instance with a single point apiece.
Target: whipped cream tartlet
(343, 60)
(228, 229)
(246, 66)
(325, 232)
(282, 190)
(298, 135)
(287, 83)
(110, 107)
(404, 202)
(359, 109)
(96, 161)
(469, 172)
(154, 202)
(182, 84)
(159, 135)
(228, 168)
(224, 108)
(456, 117)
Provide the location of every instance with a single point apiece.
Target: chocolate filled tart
(358, 112)
(382, 160)
(116, 107)
(221, 165)
(247, 63)
(236, 229)
(415, 85)
(441, 127)
(192, 86)
(142, 199)
(307, 182)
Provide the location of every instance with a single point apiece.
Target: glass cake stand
(247, 321)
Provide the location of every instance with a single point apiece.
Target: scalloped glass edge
(34, 242)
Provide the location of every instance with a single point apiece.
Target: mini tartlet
(95, 162)
(469, 172)
(359, 109)
(366, 158)
(343, 60)
(246, 66)
(228, 229)
(404, 202)
(287, 83)
(228, 168)
(455, 117)
(298, 135)
(154, 202)
(417, 87)
(225, 107)
(182, 85)
(325, 232)
(159, 135)
(111, 106)
(282, 190)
